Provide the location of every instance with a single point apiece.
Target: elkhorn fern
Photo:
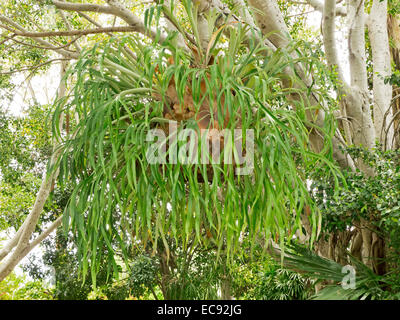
(125, 88)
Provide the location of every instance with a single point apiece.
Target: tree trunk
(21, 241)
(226, 289)
(394, 37)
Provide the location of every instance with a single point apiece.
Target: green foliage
(295, 17)
(16, 200)
(281, 284)
(24, 142)
(393, 7)
(19, 288)
(198, 277)
(24, 150)
(394, 78)
(262, 278)
(143, 275)
(368, 285)
(119, 193)
(16, 54)
(60, 254)
(376, 198)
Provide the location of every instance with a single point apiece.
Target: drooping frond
(124, 89)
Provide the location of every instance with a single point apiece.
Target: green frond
(124, 89)
(367, 285)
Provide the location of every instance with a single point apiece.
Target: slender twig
(45, 48)
(33, 67)
(68, 25)
(71, 32)
(300, 14)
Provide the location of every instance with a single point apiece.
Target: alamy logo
(349, 280)
(186, 146)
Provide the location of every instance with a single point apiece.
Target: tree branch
(68, 25)
(17, 27)
(378, 35)
(23, 246)
(114, 8)
(43, 235)
(271, 23)
(78, 7)
(72, 32)
(248, 19)
(356, 39)
(34, 67)
(328, 31)
(357, 98)
(12, 37)
(319, 6)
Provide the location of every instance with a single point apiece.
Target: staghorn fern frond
(124, 88)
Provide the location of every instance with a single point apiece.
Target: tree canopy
(228, 139)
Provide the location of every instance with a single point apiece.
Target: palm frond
(367, 284)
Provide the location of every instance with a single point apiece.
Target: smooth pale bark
(244, 13)
(358, 62)
(329, 40)
(69, 6)
(217, 5)
(356, 105)
(203, 32)
(119, 10)
(328, 31)
(114, 8)
(357, 99)
(378, 35)
(28, 248)
(240, 14)
(171, 27)
(355, 102)
(319, 6)
(34, 35)
(12, 242)
(202, 22)
(29, 227)
(246, 17)
(394, 35)
(53, 226)
(271, 23)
